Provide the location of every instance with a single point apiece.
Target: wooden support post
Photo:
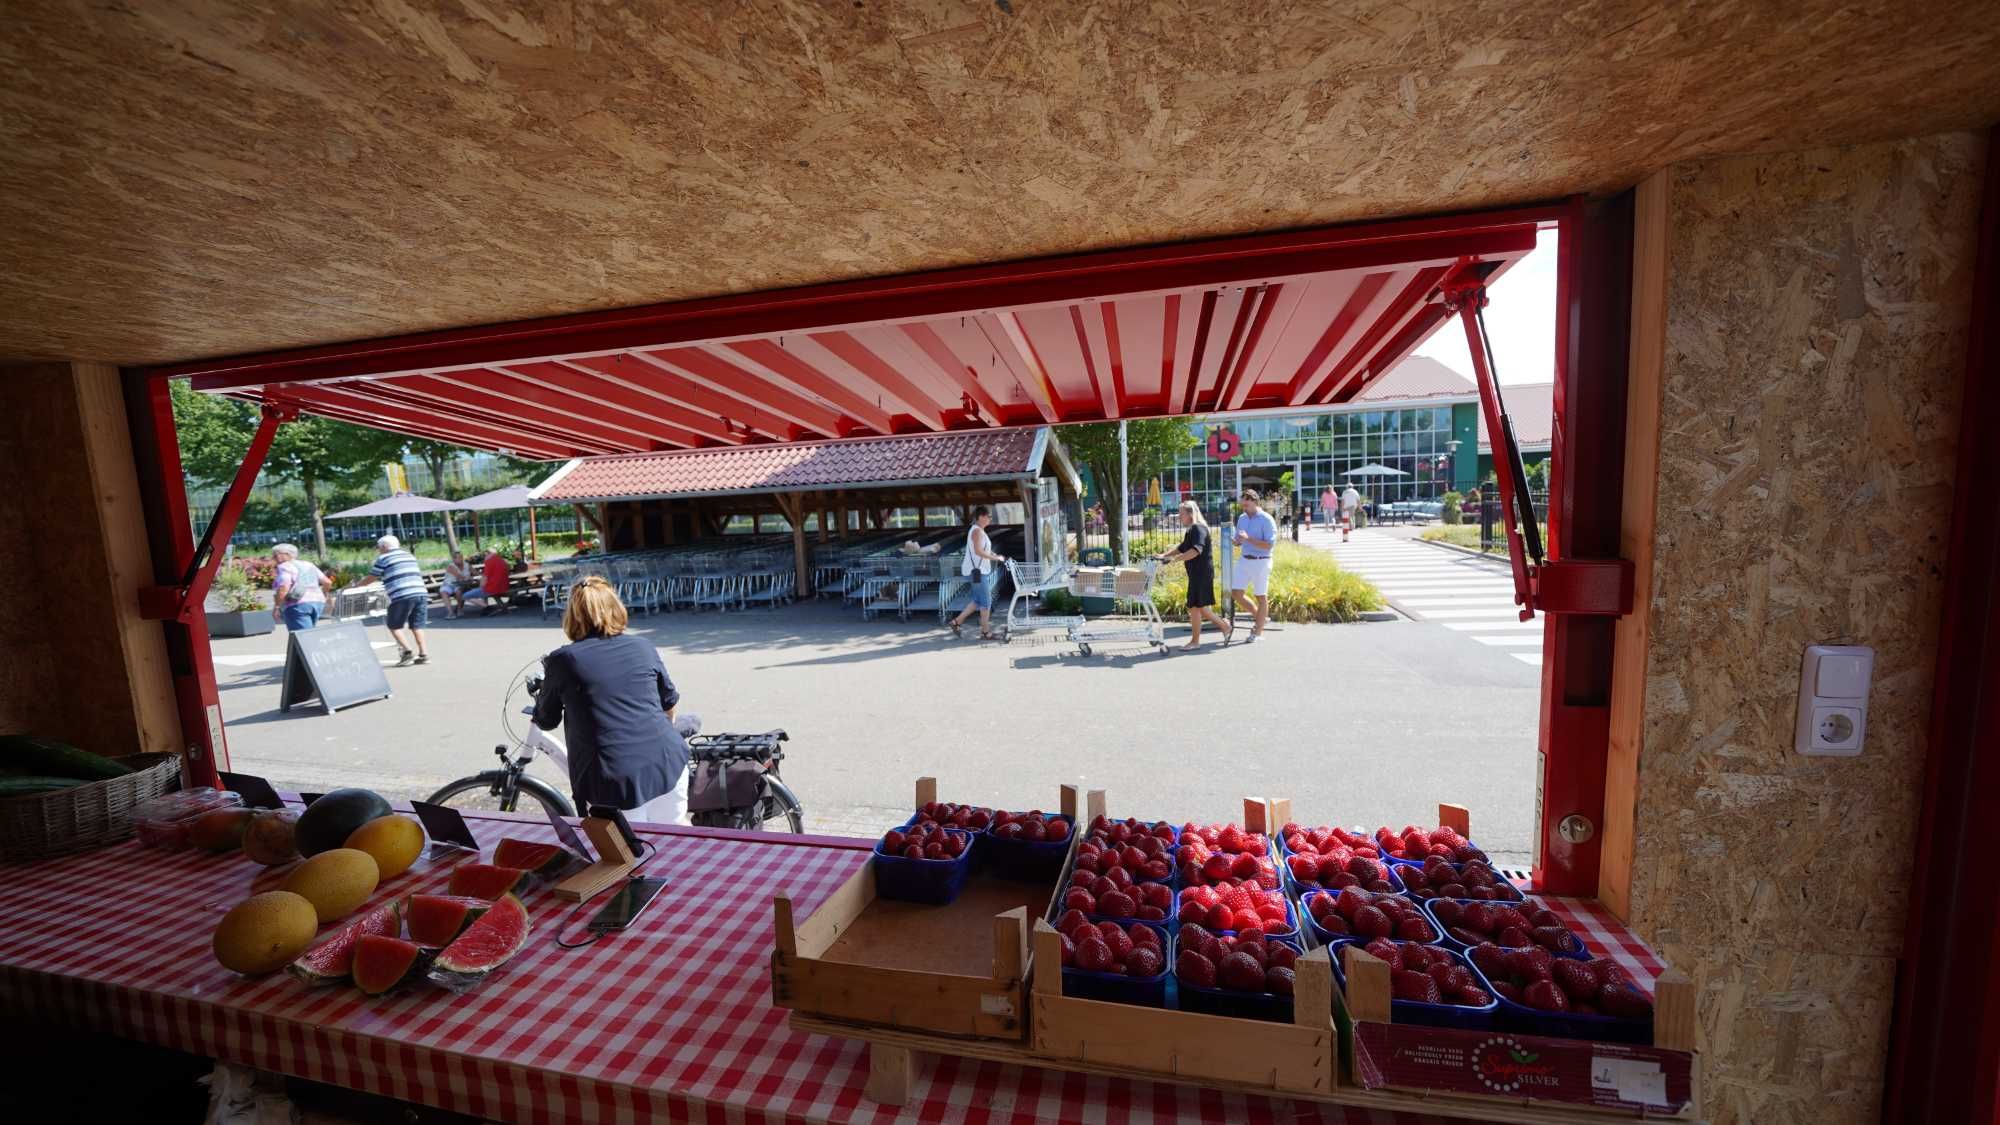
(1458, 818)
(1367, 985)
(1048, 951)
(926, 792)
(793, 506)
(1010, 946)
(1673, 1011)
(890, 1071)
(1031, 528)
(1312, 989)
(534, 544)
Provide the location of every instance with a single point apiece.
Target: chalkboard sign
(334, 663)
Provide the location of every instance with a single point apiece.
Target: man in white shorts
(1256, 535)
(1350, 502)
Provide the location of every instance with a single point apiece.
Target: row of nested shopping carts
(902, 572)
(757, 571)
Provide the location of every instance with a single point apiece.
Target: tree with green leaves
(1152, 446)
(215, 432)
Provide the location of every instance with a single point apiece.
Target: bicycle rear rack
(720, 747)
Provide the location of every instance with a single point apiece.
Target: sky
(1520, 319)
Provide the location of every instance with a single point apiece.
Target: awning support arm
(1464, 292)
(178, 603)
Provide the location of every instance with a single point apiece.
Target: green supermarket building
(1421, 420)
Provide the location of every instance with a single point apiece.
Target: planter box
(250, 623)
(959, 969)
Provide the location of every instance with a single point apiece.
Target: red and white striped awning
(1297, 319)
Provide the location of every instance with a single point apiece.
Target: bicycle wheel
(491, 791)
(780, 803)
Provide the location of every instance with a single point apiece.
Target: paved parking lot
(1357, 723)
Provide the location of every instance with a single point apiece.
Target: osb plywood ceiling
(187, 179)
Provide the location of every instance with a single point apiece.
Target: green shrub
(232, 588)
(1452, 512)
(1306, 585)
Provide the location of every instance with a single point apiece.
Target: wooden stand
(614, 861)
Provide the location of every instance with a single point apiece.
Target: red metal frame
(184, 599)
(1194, 364)
(1944, 1062)
(1465, 294)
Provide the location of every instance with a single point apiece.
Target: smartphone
(625, 907)
(617, 817)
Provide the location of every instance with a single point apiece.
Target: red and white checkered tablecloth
(670, 1020)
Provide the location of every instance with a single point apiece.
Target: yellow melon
(336, 882)
(265, 932)
(394, 841)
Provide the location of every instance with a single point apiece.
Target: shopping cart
(1031, 580)
(1146, 627)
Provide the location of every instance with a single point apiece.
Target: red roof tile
(1418, 376)
(858, 462)
(1532, 406)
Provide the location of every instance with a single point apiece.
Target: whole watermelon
(328, 822)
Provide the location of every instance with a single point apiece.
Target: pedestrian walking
(982, 566)
(1196, 552)
(1350, 503)
(1255, 538)
(298, 590)
(1306, 514)
(409, 603)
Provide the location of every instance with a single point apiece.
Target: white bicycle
(500, 790)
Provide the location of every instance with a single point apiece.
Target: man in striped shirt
(409, 602)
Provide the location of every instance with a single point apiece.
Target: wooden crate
(1520, 1077)
(956, 970)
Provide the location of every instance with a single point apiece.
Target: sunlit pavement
(1369, 722)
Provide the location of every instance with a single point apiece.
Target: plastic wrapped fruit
(966, 818)
(1034, 826)
(1418, 844)
(1474, 880)
(1428, 974)
(1510, 926)
(1133, 949)
(1534, 977)
(1239, 908)
(1244, 962)
(924, 842)
(1224, 855)
(1144, 853)
(1358, 914)
(1116, 896)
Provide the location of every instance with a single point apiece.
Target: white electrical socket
(1833, 699)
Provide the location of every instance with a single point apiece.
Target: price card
(447, 829)
(255, 791)
(1631, 1080)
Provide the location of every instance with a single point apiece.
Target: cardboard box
(1108, 581)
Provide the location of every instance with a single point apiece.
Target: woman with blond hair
(610, 691)
(1194, 550)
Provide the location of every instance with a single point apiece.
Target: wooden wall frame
(1645, 373)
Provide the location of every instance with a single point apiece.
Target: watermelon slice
(436, 919)
(484, 880)
(499, 934)
(383, 964)
(333, 959)
(547, 861)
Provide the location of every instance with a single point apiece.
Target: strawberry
(1194, 969)
(1608, 971)
(1280, 955)
(1384, 949)
(1119, 878)
(1068, 950)
(1143, 935)
(1145, 961)
(1150, 913)
(1508, 989)
(1157, 870)
(1191, 911)
(1058, 830)
(1534, 962)
(1080, 899)
(1575, 979)
(1239, 970)
(1216, 868)
(1441, 972)
(1334, 924)
(1448, 911)
(1116, 904)
(1407, 985)
(1070, 918)
(1121, 943)
(1624, 1001)
(1370, 922)
(1490, 958)
(1413, 928)
(1278, 980)
(1510, 936)
(1092, 955)
(1544, 995)
(1197, 939)
(1556, 938)
(1244, 867)
(1157, 895)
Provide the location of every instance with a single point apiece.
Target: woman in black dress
(1195, 552)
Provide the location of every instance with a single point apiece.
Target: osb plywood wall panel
(1816, 313)
(65, 675)
(184, 178)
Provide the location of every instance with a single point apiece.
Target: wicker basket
(86, 816)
